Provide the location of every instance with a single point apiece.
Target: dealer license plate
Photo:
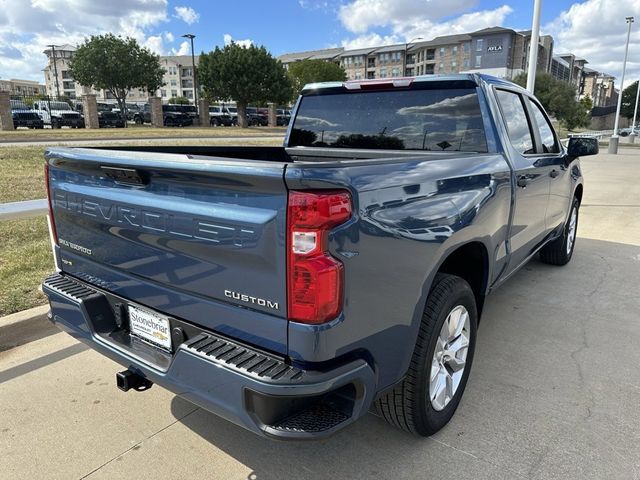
(150, 326)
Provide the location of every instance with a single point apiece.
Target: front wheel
(429, 395)
(560, 251)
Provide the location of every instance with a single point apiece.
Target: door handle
(553, 173)
(522, 181)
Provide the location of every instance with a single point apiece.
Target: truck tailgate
(189, 236)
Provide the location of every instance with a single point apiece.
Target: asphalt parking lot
(554, 391)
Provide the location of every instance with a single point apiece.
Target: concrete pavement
(554, 390)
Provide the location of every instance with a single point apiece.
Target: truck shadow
(542, 317)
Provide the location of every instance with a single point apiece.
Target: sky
(592, 29)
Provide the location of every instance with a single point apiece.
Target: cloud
(187, 14)
(28, 27)
(185, 49)
(596, 30)
(361, 15)
(403, 30)
(243, 43)
(168, 36)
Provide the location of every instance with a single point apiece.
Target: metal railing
(25, 209)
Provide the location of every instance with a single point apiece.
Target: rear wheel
(430, 393)
(560, 251)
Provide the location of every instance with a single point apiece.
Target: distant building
(178, 78)
(497, 51)
(22, 87)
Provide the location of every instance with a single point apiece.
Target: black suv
(171, 116)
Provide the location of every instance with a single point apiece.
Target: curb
(24, 327)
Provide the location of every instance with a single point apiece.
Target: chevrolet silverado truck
(293, 289)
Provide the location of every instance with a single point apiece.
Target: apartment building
(178, 78)
(496, 51)
(22, 87)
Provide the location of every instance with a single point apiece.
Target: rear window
(435, 120)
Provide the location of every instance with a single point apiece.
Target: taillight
(315, 278)
(52, 225)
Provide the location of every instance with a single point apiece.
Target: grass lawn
(134, 131)
(25, 251)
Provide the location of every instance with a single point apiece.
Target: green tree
(559, 100)
(116, 65)
(179, 100)
(629, 100)
(310, 71)
(244, 74)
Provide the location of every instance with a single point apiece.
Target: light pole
(632, 137)
(191, 36)
(533, 46)
(404, 59)
(613, 142)
(55, 68)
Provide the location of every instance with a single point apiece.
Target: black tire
(559, 252)
(408, 406)
(138, 120)
(214, 122)
(54, 123)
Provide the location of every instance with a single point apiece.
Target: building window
(479, 44)
(358, 76)
(465, 63)
(187, 83)
(383, 73)
(478, 61)
(371, 62)
(431, 54)
(395, 72)
(187, 93)
(441, 67)
(454, 50)
(371, 75)
(429, 69)
(466, 47)
(454, 64)
(187, 72)
(442, 51)
(163, 93)
(409, 72)
(65, 74)
(411, 58)
(174, 83)
(174, 93)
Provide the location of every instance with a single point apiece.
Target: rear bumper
(251, 388)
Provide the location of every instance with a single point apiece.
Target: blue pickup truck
(293, 289)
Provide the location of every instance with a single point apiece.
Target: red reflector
(52, 224)
(315, 278)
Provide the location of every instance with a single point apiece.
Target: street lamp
(191, 36)
(533, 46)
(404, 59)
(613, 142)
(55, 68)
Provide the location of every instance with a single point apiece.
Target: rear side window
(437, 120)
(548, 139)
(515, 118)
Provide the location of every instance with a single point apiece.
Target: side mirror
(582, 146)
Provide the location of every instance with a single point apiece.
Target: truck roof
(475, 78)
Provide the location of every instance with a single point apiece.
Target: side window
(515, 118)
(549, 144)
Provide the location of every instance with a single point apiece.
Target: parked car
(292, 289)
(58, 114)
(220, 116)
(110, 119)
(189, 110)
(282, 117)
(24, 116)
(255, 118)
(171, 117)
(625, 132)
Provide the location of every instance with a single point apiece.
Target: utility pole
(613, 142)
(190, 36)
(404, 58)
(632, 137)
(533, 46)
(55, 68)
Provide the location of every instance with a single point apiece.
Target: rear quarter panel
(409, 214)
